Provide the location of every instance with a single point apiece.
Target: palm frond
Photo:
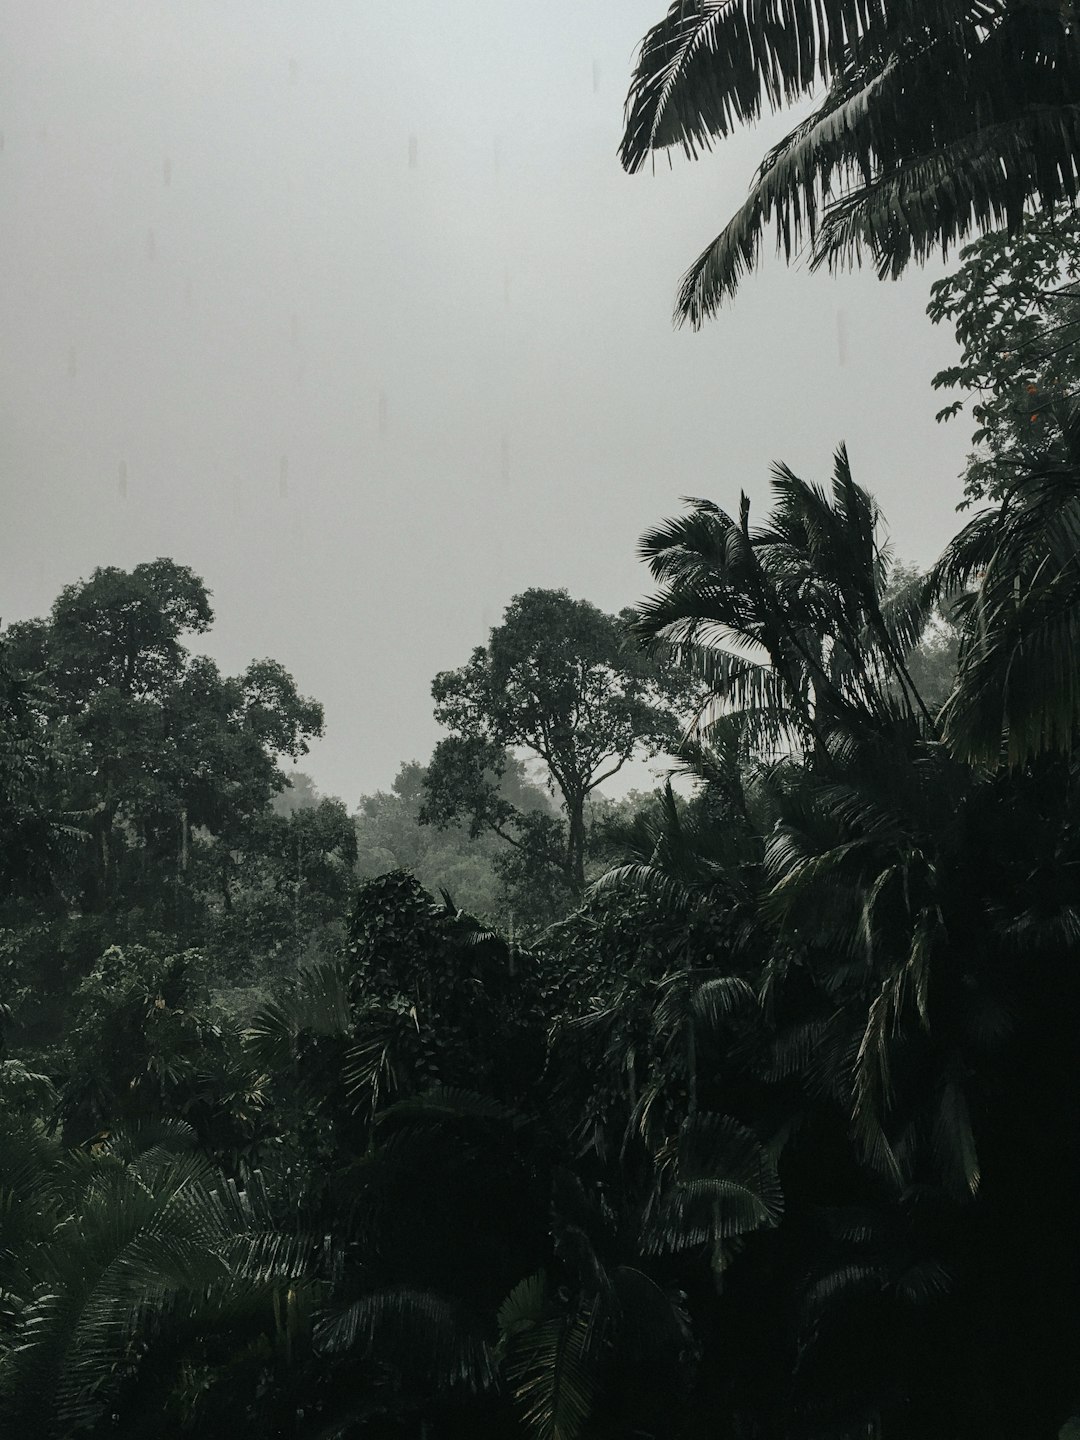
(873, 1080)
(709, 64)
(719, 1182)
(548, 1361)
(445, 1103)
(924, 1282)
(714, 1000)
(935, 120)
(1017, 694)
(430, 1337)
(954, 1140)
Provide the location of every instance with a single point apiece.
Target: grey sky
(354, 302)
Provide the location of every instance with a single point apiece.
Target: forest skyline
(310, 332)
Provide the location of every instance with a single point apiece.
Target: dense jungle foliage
(497, 1108)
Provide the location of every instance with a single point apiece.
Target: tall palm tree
(730, 1065)
(919, 931)
(788, 623)
(934, 118)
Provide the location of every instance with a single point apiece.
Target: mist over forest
(640, 997)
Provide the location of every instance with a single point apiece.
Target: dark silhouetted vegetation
(500, 1108)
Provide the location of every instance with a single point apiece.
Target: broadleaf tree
(1014, 303)
(561, 682)
(153, 743)
(472, 869)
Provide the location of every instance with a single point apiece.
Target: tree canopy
(150, 742)
(557, 680)
(754, 1135)
(932, 120)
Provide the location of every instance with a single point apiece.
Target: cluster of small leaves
(1014, 303)
(460, 998)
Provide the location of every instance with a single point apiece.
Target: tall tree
(559, 680)
(155, 741)
(34, 839)
(290, 879)
(936, 118)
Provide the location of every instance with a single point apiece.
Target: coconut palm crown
(933, 119)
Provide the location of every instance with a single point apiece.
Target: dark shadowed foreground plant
(140, 1253)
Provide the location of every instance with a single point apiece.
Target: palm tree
(937, 118)
(916, 937)
(725, 1065)
(133, 1256)
(1017, 568)
(788, 624)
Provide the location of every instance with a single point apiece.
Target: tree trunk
(297, 943)
(181, 873)
(226, 893)
(102, 871)
(575, 848)
(691, 1066)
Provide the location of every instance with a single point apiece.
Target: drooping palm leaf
(1017, 694)
(548, 1360)
(936, 119)
(429, 1337)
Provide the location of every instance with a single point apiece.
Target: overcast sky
(349, 306)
